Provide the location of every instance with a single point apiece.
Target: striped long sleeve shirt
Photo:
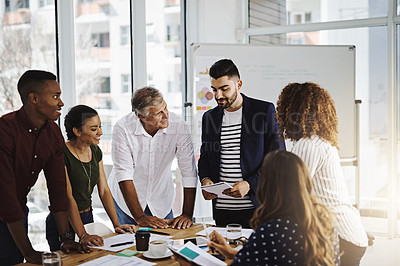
(230, 170)
(323, 162)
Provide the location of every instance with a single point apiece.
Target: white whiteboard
(266, 70)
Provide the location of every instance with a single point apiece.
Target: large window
(103, 71)
(373, 194)
(164, 62)
(102, 57)
(164, 50)
(27, 41)
(102, 64)
(306, 11)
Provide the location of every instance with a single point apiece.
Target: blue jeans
(52, 234)
(9, 252)
(126, 219)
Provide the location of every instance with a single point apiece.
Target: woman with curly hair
(306, 114)
(291, 228)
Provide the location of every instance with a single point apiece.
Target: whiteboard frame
(346, 160)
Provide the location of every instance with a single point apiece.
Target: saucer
(149, 255)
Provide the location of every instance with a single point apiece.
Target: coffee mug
(142, 240)
(158, 248)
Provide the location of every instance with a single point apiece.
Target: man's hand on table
(92, 240)
(181, 222)
(238, 190)
(34, 257)
(121, 229)
(152, 221)
(207, 195)
(68, 245)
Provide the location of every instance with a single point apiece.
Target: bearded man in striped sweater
(236, 135)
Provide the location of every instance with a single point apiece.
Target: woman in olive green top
(84, 170)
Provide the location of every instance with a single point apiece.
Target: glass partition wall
(27, 41)
(104, 74)
(369, 25)
(101, 60)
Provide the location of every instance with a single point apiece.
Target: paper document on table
(217, 188)
(154, 237)
(246, 232)
(199, 256)
(117, 260)
(122, 238)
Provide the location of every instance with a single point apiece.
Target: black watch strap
(67, 235)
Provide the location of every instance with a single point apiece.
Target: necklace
(84, 168)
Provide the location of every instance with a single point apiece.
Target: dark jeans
(52, 234)
(351, 254)
(9, 252)
(224, 217)
(124, 218)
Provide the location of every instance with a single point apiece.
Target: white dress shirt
(323, 162)
(146, 160)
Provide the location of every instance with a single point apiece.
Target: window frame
(391, 21)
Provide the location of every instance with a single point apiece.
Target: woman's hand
(121, 229)
(218, 242)
(91, 240)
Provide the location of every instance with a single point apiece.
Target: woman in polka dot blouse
(291, 228)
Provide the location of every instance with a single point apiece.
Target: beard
(227, 101)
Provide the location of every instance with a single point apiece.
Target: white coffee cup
(158, 248)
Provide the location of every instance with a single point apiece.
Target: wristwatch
(67, 235)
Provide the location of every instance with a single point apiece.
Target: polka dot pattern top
(277, 242)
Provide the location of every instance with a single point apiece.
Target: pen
(149, 229)
(160, 233)
(121, 244)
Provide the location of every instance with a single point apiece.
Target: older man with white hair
(144, 144)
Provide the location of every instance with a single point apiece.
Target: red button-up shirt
(24, 152)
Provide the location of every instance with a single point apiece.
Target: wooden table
(77, 258)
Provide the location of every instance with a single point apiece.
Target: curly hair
(285, 189)
(304, 110)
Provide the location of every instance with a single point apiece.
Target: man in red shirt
(30, 141)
